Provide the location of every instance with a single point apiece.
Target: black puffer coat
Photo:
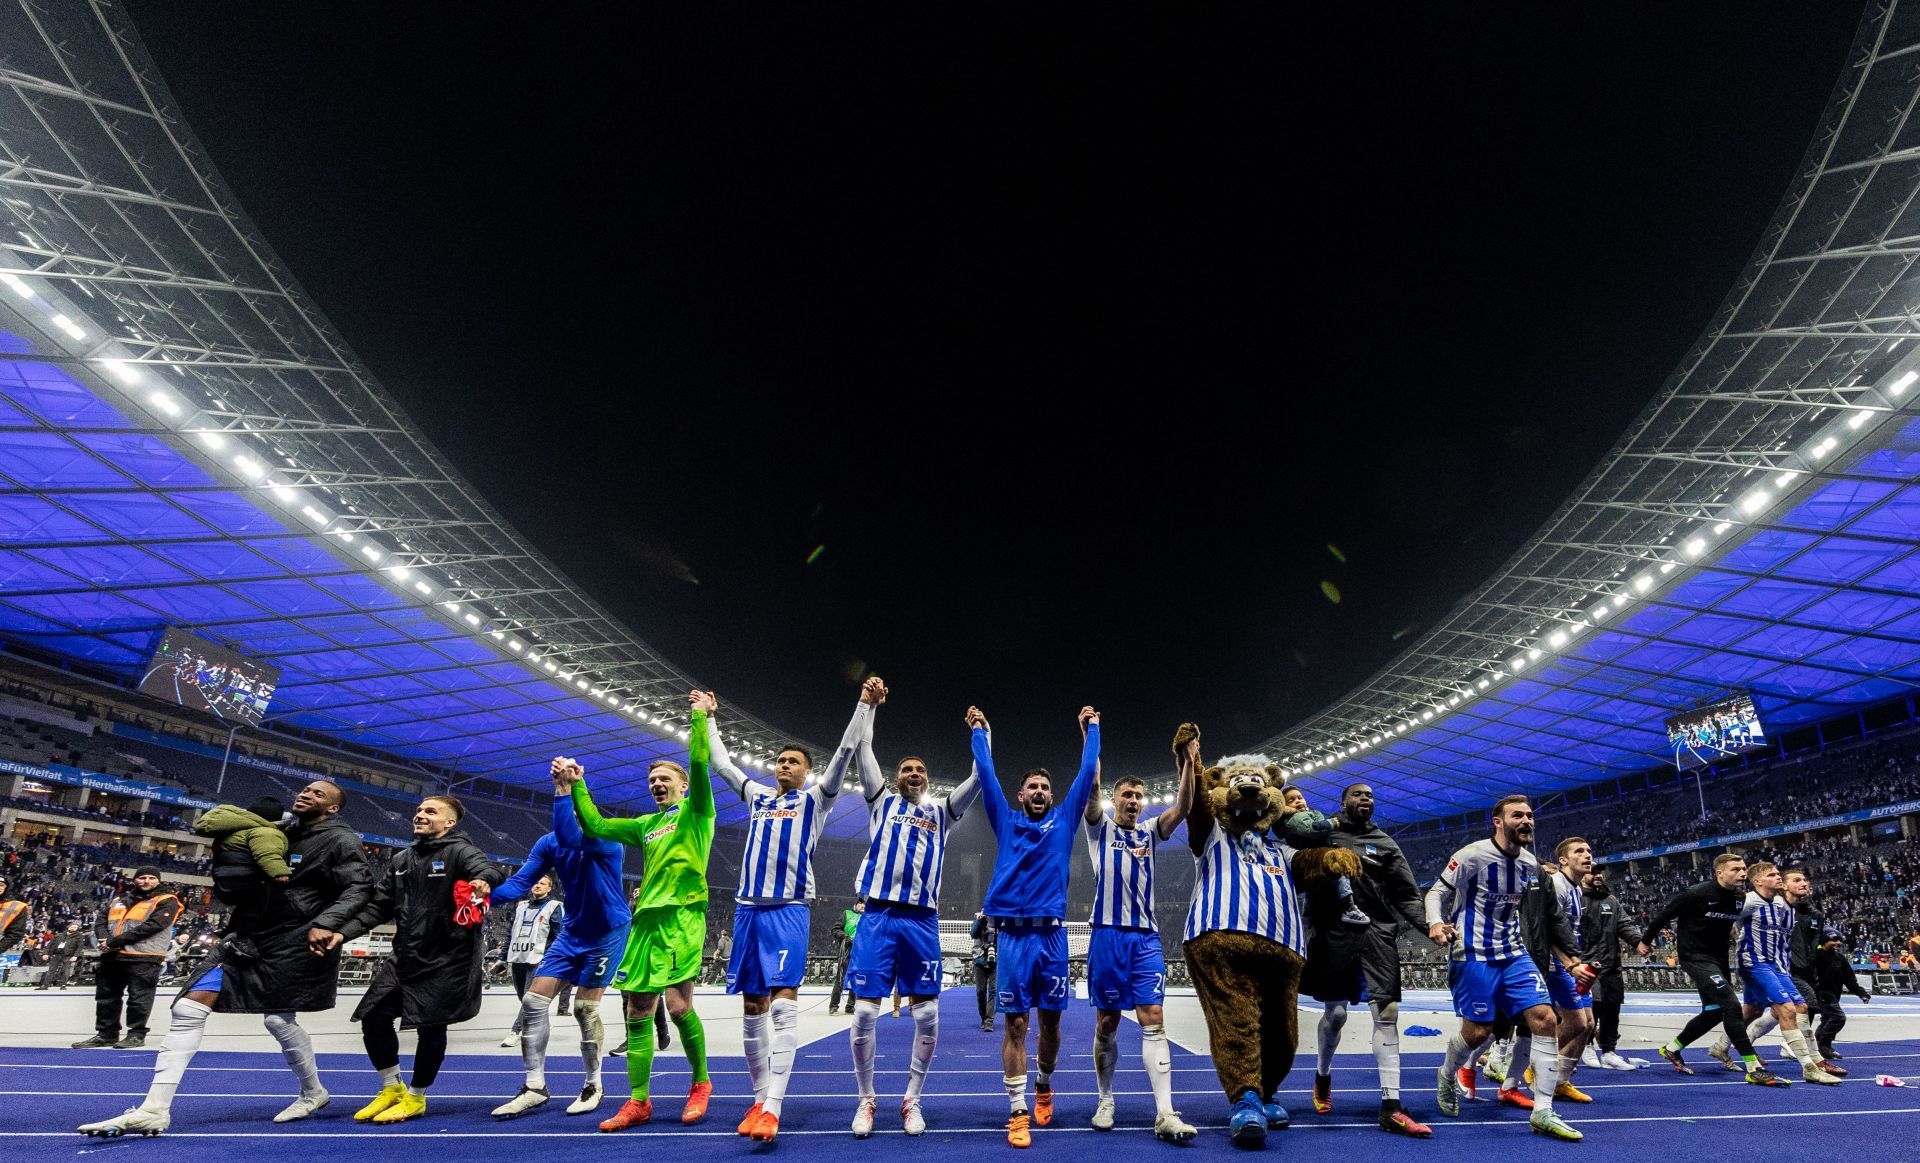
(330, 884)
(436, 964)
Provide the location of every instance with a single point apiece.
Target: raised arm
(626, 831)
(1080, 795)
(1186, 758)
(992, 797)
(722, 763)
(1200, 810)
(699, 760)
(539, 860)
(858, 735)
(968, 790)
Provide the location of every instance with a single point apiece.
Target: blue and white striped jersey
(1478, 893)
(782, 829)
(1244, 883)
(906, 850)
(1573, 900)
(1122, 874)
(1765, 932)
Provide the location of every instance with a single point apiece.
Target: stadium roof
(185, 440)
(1754, 529)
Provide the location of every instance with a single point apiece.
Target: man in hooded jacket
(276, 961)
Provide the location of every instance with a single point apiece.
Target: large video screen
(199, 675)
(1705, 734)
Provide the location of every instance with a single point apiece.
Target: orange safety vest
(122, 917)
(9, 911)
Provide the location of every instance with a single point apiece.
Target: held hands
(1088, 715)
(1440, 933)
(565, 774)
(873, 692)
(1186, 745)
(702, 701)
(975, 718)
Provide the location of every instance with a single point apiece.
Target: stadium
(232, 567)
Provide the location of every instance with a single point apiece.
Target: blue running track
(227, 1099)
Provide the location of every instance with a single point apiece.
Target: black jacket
(329, 885)
(1703, 918)
(436, 964)
(1804, 941)
(1388, 890)
(1832, 973)
(65, 947)
(1544, 926)
(1603, 928)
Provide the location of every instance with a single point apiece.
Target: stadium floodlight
(314, 515)
(165, 402)
(1899, 387)
(121, 370)
(514, 645)
(1859, 418)
(1557, 639)
(551, 668)
(372, 553)
(343, 535)
(1482, 684)
(1643, 583)
(284, 494)
(422, 587)
(211, 439)
(1695, 546)
(1821, 449)
(1756, 500)
(1517, 663)
(16, 286)
(1426, 716)
(250, 468)
(473, 619)
(1533, 655)
(73, 330)
(1454, 701)
(1781, 481)
(399, 572)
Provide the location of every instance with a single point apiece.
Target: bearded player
(1027, 900)
(896, 945)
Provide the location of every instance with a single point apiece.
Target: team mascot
(1245, 936)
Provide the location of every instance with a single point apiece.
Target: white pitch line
(1514, 1125)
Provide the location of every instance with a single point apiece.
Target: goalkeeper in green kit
(669, 919)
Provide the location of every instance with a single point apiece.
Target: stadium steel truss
(185, 440)
(1755, 529)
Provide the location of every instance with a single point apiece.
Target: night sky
(1101, 352)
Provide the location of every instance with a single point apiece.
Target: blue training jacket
(589, 874)
(1034, 857)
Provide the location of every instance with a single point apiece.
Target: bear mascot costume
(1245, 937)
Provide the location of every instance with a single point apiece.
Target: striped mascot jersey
(1243, 883)
(1478, 893)
(782, 829)
(1122, 874)
(906, 850)
(1766, 931)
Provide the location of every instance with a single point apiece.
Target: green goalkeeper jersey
(674, 841)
